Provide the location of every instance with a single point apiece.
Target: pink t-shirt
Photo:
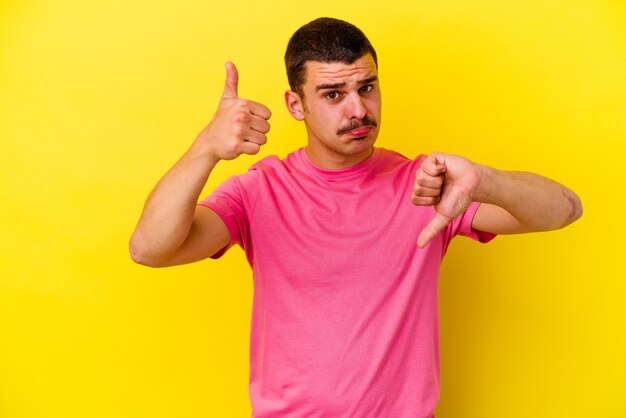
(345, 310)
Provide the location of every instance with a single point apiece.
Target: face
(341, 110)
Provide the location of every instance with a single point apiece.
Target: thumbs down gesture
(447, 182)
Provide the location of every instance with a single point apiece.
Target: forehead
(334, 72)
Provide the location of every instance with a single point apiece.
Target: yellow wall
(99, 99)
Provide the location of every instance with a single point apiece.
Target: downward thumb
(439, 222)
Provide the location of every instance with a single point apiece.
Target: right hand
(238, 126)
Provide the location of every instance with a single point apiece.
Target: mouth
(359, 133)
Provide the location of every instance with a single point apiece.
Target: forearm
(537, 202)
(169, 210)
(169, 224)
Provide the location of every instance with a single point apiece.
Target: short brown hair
(324, 40)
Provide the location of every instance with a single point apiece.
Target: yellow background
(99, 99)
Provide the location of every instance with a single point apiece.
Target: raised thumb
(232, 78)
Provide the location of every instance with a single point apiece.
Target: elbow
(574, 208)
(140, 255)
(579, 208)
(137, 254)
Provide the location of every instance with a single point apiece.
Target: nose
(357, 107)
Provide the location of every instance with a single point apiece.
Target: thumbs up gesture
(447, 182)
(239, 126)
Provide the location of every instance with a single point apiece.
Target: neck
(335, 161)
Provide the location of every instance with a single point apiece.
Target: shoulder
(393, 160)
(266, 170)
(264, 167)
(268, 163)
(274, 162)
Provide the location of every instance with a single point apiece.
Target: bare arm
(518, 202)
(513, 202)
(172, 229)
(169, 215)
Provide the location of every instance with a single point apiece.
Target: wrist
(202, 148)
(485, 176)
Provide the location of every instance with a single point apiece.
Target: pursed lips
(359, 132)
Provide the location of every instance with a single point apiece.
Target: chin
(363, 143)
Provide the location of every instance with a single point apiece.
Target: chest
(335, 233)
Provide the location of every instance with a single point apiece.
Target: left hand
(447, 182)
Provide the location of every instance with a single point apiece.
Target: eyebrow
(329, 86)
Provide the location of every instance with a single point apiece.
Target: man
(345, 240)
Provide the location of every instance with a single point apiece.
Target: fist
(447, 182)
(239, 126)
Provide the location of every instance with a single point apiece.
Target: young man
(344, 239)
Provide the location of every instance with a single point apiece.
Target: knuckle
(239, 149)
(232, 146)
(242, 117)
(238, 131)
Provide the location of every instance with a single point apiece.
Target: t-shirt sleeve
(462, 225)
(233, 203)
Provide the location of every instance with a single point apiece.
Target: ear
(294, 105)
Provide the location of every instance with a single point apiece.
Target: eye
(366, 88)
(332, 95)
